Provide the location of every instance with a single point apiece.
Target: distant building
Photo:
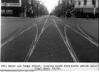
(68, 1)
(86, 7)
(11, 7)
(86, 3)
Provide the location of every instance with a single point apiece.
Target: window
(85, 2)
(94, 2)
(79, 2)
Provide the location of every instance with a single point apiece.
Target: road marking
(71, 51)
(31, 50)
(15, 36)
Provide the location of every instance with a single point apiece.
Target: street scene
(49, 30)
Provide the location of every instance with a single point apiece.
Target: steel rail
(33, 45)
(70, 49)
(83, 35)
(88, 37)
(15, 36)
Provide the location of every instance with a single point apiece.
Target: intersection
(49, 39)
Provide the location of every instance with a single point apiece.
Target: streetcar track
(69, 44)
(33, 46)
(88, 37)
(15, 36)
(84, 36)
(71, 51)
(38, 35)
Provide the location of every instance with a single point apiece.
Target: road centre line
(33, 46)
(71, 51)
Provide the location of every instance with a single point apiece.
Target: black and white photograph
(49, 31)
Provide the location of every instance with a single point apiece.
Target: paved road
(50, 40)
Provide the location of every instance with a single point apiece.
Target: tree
(63, 8)
(33, 8)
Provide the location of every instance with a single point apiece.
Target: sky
(50, 4)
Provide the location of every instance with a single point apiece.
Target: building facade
(86, 3)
